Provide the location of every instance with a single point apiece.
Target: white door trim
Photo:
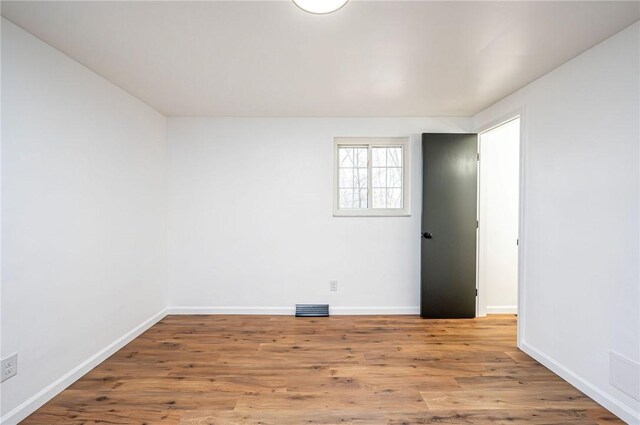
(481, 309)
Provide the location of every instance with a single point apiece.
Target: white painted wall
(251, 224)
(83, 214)
(498, 205)
(581, 225)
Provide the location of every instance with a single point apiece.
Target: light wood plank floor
(276, 370)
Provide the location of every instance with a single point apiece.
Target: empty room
(282, 212)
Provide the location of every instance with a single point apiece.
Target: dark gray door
(448, 257)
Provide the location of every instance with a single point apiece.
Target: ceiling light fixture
(320, 7)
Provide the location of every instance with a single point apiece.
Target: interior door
(449, 202)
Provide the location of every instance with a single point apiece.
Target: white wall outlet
(9, 367)
(333, 285)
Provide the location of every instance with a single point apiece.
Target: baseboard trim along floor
(597, 394)
(56, 387)
(290, 310)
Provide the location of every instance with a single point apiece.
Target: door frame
(517, 113)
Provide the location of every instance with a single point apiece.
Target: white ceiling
(371, 58)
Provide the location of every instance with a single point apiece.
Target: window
(371, 176)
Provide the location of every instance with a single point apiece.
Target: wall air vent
(312, 310)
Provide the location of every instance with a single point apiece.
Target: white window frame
(370, 142)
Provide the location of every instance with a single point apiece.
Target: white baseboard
(36, 401)
(289, 311)
(230, 310)
(374, 310)
(502, 309)
(624, 412)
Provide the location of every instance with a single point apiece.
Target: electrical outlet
(9, 367)
(333, 285)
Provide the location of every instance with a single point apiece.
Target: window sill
(372, 213)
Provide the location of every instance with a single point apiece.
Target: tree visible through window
(371, 176)
(386, 177)
(353, 177)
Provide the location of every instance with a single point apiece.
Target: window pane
(379, 157)
(360, 157)
(345, 157)
(361, 177)
(394, 177)
(394, 198)
(379, 198)
(353, 198)
(394, 157)
(346, 198)
(346, 177)
(379, 177)
(361, 198)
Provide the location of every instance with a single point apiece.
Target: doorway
(469, 264)
(498, 218)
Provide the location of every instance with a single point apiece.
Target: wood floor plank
(508, 398)
(499, 417)
(278, 370)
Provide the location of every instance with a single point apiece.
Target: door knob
(427, 235)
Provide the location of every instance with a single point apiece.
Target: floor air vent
(312, 310)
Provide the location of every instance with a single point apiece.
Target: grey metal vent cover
(312, 310)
